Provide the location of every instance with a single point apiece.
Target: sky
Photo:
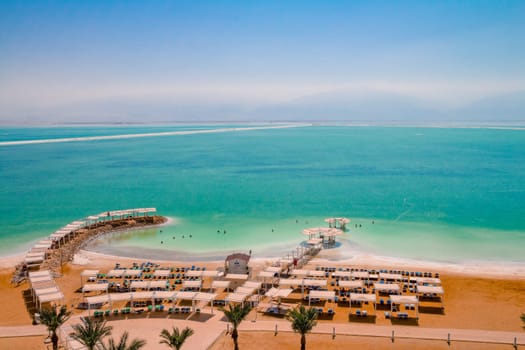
(95, 60)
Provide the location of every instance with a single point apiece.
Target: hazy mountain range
(335, 106)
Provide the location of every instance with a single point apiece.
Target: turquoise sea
(448, 195)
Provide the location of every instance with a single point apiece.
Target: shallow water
(445, 195)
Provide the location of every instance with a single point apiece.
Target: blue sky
(60, 55)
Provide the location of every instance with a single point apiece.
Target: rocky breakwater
(63, 254)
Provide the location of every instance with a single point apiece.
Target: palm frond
(90, 332)
(303, 319)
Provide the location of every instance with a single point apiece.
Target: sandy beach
(472, 301)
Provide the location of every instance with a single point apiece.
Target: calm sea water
(434, 194)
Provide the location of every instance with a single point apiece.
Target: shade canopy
(89, 273)
(115, 273)
(236, 276)
(220, 284)
(314, 283)
(161, 273)
(290, 282)
(386, 287)
(430, 290)
(426, 280)
(360, 274)
(351, 284)
(391, 276)
(95, 287)
(192, 284)
(208, 297)
(278, 293)
(47, 298)
(322, 294)
(341, 274)
(404, 299)
(236, 297)
(362, 297)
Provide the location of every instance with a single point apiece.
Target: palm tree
(53, 320)
(303, 320)
(235, 315)
(123, 344)
(176, 338)
(91, 332)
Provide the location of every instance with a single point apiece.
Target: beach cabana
(49, 298)
(139, 285)
(194, 273)
(316, 273)
(88, 274)
(432, 291)
(206, 297)
(158, 284)
(266, 274)
(187, 296)
(40, 291)
(192, 284)
(363, 298)
(115, 273)
(312, 283)
(212, 273)
(299, 273)
(386, 288)
(426, 281)
(390, 276)
(236, 277)
(252, 284)
(220, 284)
(40, 273)
(357, 284)
(94, 287)
(129, 273)
(98, 300)
(404, 300)
(363, 275)
(275, 293)
(290, 282)
(341, 274)
(321, 295)
(236, 298)
(162, 273)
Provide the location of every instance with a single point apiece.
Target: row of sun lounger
(158, 308)
(373, 271)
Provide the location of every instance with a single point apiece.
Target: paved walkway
(415, 332)
(209, 327)
(22, 331)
